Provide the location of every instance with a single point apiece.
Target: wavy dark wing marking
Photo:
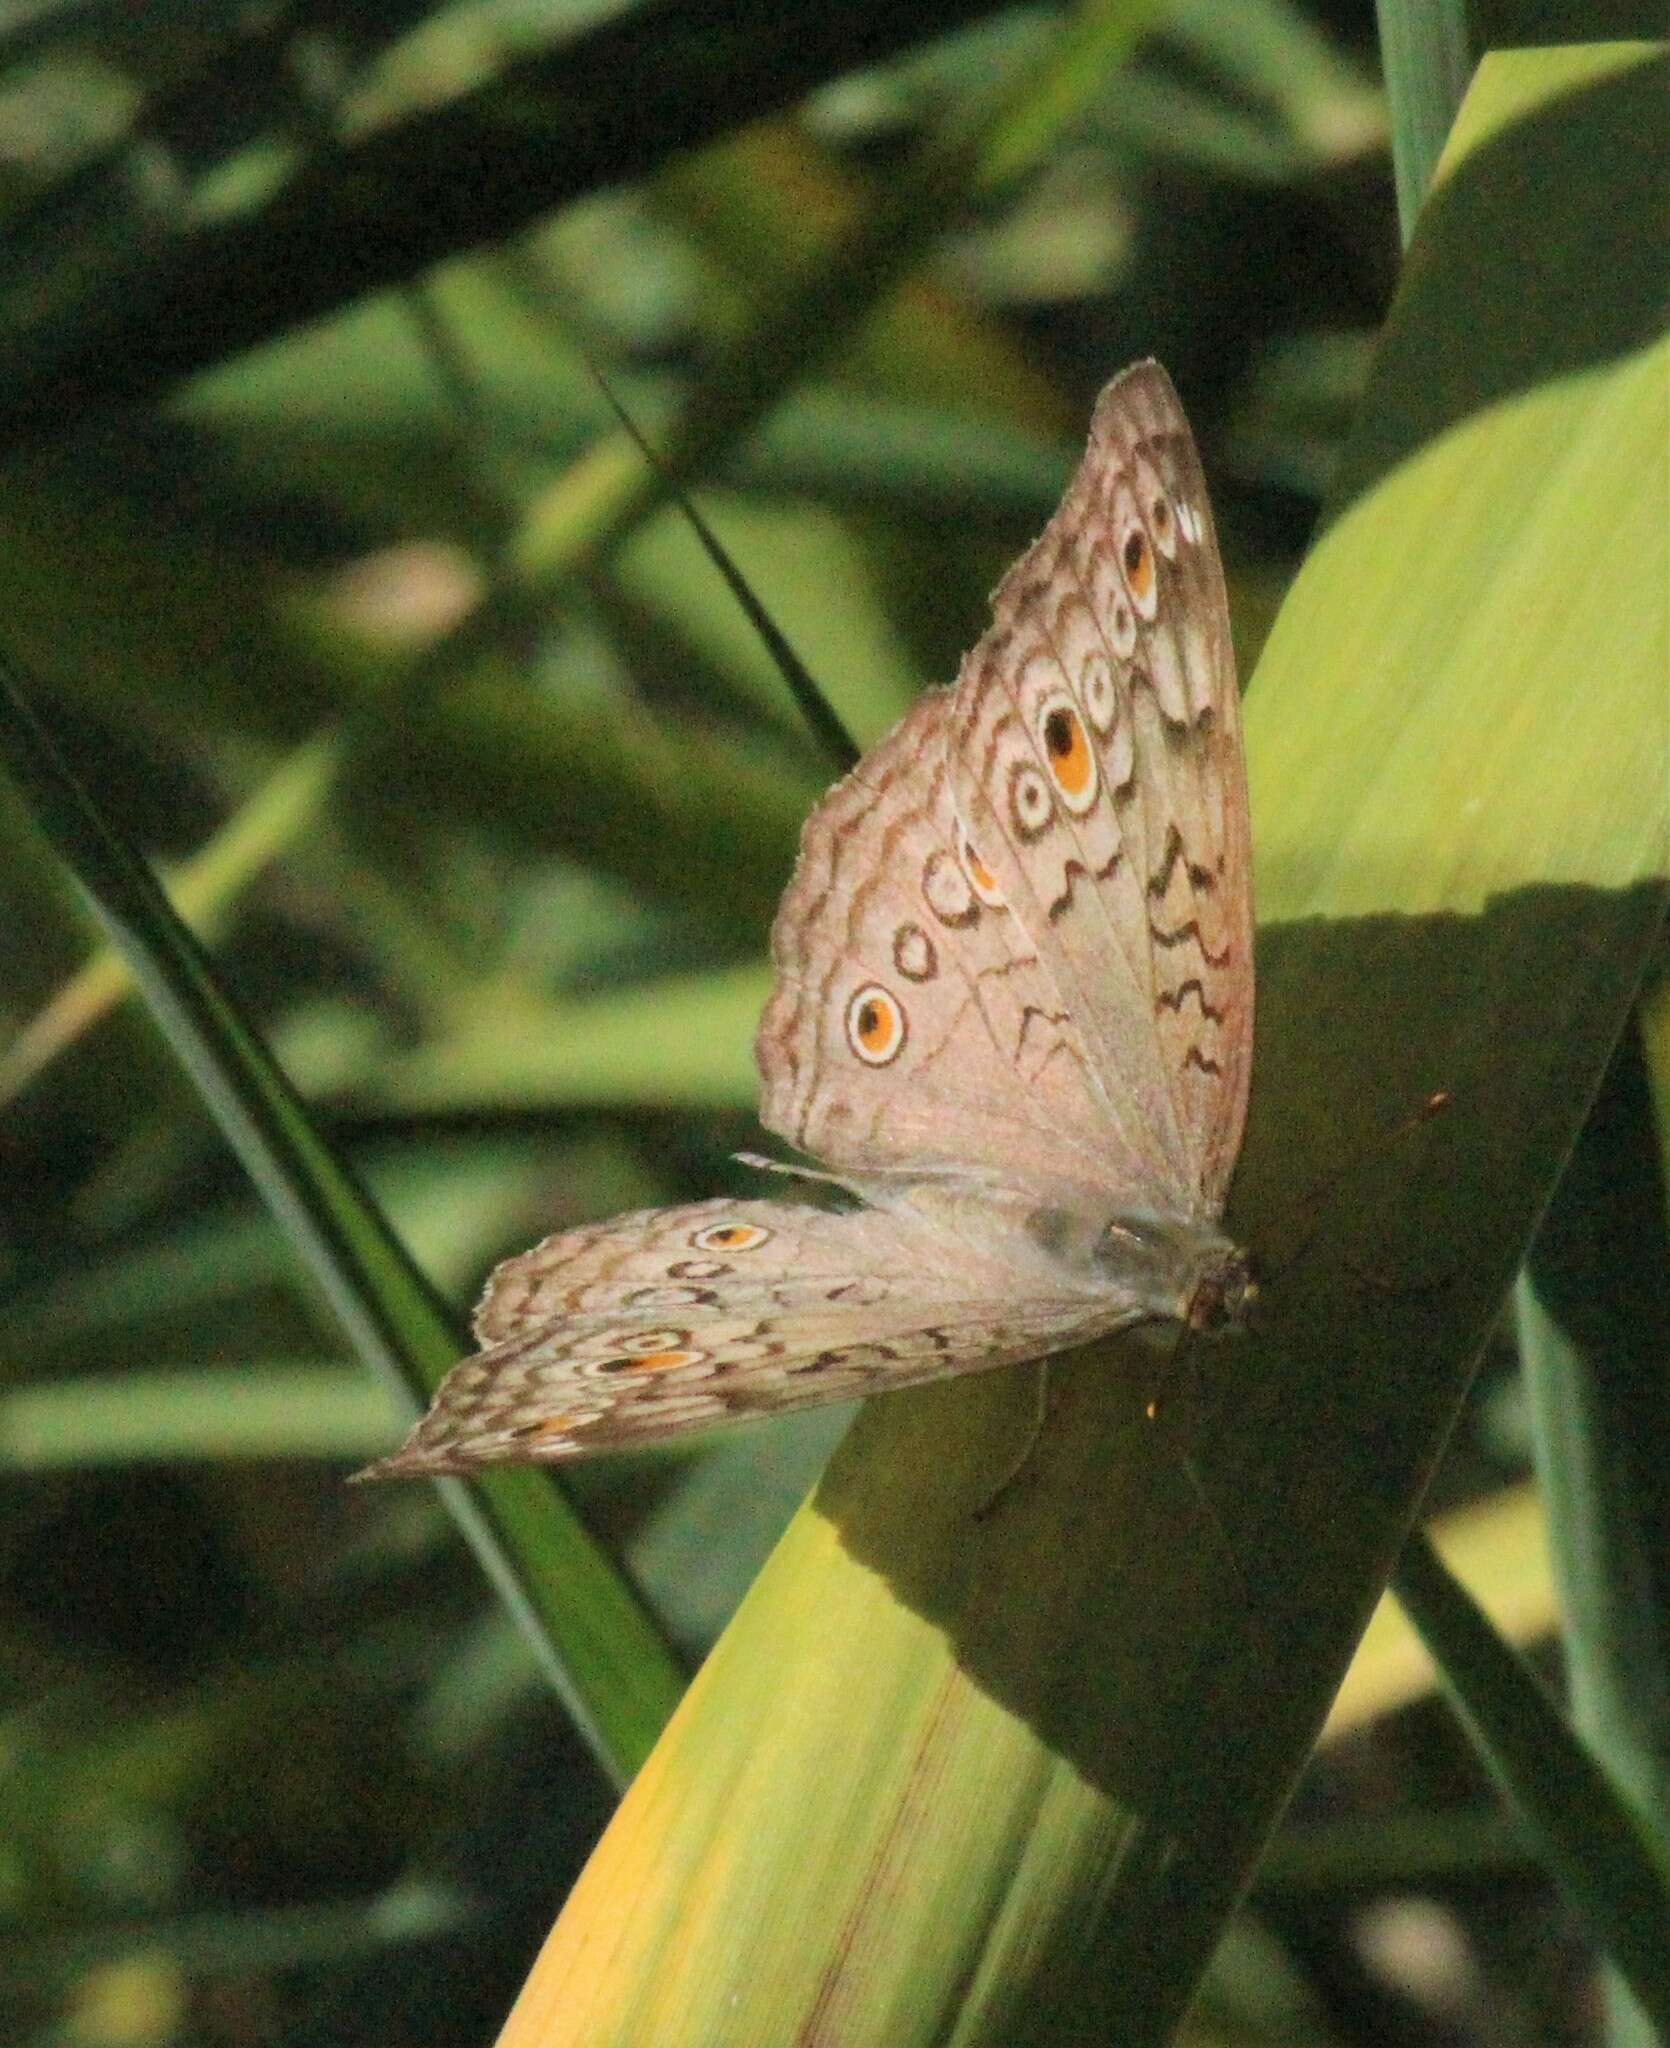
(990, 1075)
(1133, 882)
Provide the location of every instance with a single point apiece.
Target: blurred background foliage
(360, 615)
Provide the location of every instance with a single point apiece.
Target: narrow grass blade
(1498, 1548)
(818, 712)
(1426, 51)
(1585, 1832)
(677, 1042)
(279, 1410)
(589, 1630)
(203, 890)
(815, 311)
(1594, 1332)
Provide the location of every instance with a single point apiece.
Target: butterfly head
(1225, 1293)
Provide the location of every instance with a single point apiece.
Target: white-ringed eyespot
(1031, 807)
(1101, 698)
(914, 953)
(638, 1343)
(947, 889)
(1122, 628)
(983, 881)
(547, 1425)
(1136, 559)
(875, 1025)
(1156, 502)
(729, 1237)
(1067, 749)
(647, 1351)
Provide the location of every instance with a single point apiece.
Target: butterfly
(1012, 1016)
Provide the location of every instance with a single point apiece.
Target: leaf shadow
(1097, 1604)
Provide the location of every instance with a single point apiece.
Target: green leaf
(1427, 52)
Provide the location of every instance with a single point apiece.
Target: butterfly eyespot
(728, 1237)
(875, 1025)
(947, 891)
(669, 1297)
(1101, 699)
(983, 880)
(651, 1361)
(1031, 807)
(914, 953)
(548, 1425)
(1124, 630)
(1067, 750)
(1137, 559)
(1160, 519)
(631, 1343)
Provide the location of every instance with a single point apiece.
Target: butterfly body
(1140, 1267)
(1012, 1015)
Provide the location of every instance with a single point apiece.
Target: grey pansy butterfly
(1013, 1014)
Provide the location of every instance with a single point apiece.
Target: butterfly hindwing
(667, 1320)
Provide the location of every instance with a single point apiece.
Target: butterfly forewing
(912, 1025)
(1097, 767)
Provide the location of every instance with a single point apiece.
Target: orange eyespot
(985, 882)
(1067, 750)
(1139, 566)
(875, 1025)
(647, 1351)
(657, 1361)
(728, 1237)
(549, 1425)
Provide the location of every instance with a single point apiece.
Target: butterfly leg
(1028, 1449)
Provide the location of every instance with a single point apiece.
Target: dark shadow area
(1149, 1619)
(1601, 1399)
(599, 108)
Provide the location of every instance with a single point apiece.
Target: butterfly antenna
(815, 707)
(1321, 1197)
